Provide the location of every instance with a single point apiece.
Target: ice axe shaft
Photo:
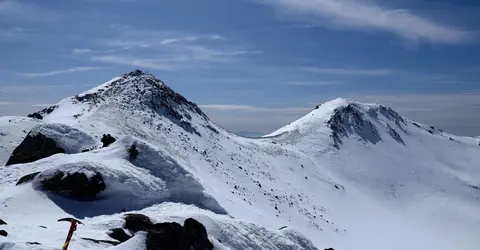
(73, 227)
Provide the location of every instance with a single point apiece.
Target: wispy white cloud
(59, 72)
(218, 37)
(137, 62)
(7, 103)
(41, 105)
(176, 57)
(144, 38)
(167, 50)
(226, 107)
(176, 40)
(349, 71)
(313, 83)
(365, 15)
(81, 51)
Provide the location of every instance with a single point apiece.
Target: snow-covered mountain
(347, 175)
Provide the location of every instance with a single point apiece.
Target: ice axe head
(71, 220)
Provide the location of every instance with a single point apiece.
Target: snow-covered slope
(347, 175)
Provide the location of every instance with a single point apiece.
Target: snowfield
(347, 175)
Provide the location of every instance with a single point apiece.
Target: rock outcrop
(119, 234)
(170, 235)
(33, 148)
(27, 178)
(78, 186)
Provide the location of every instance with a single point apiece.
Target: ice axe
(73, 227)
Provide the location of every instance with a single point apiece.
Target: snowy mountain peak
(341, 118)
(137, 93)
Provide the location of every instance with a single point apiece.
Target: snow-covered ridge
(341, 118)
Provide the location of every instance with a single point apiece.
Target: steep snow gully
(347, 175)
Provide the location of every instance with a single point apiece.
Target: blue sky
(252, 65)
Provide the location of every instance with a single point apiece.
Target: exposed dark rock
(213, 129)
(3, 233)
(119, 234)
(43, 227)
(35, 116)
(86, 150)
(195, 235)
(136, 72)
(349, 120)
(102, 241)
(77, 185)
(137, 222)
(394, 134)
(33, 243)
(2, 222)
(33, 148)
(329, 249)
(391, 115)
(94, 98)
(40, 114)
(27, 178)
(133, 152)
(107, 139)
(167, 235)
(475, 187)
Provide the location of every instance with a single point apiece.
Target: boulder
(33, 148)
(119, 234)
(79, 186)
(3, 233)
(27, 178)
(137, 222)
(35, 115)
(133, 152)
(167, 235)
(195, 235)
(107, 139)
(2, 222)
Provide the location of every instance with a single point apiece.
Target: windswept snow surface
(347, 175)
(70, 139)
